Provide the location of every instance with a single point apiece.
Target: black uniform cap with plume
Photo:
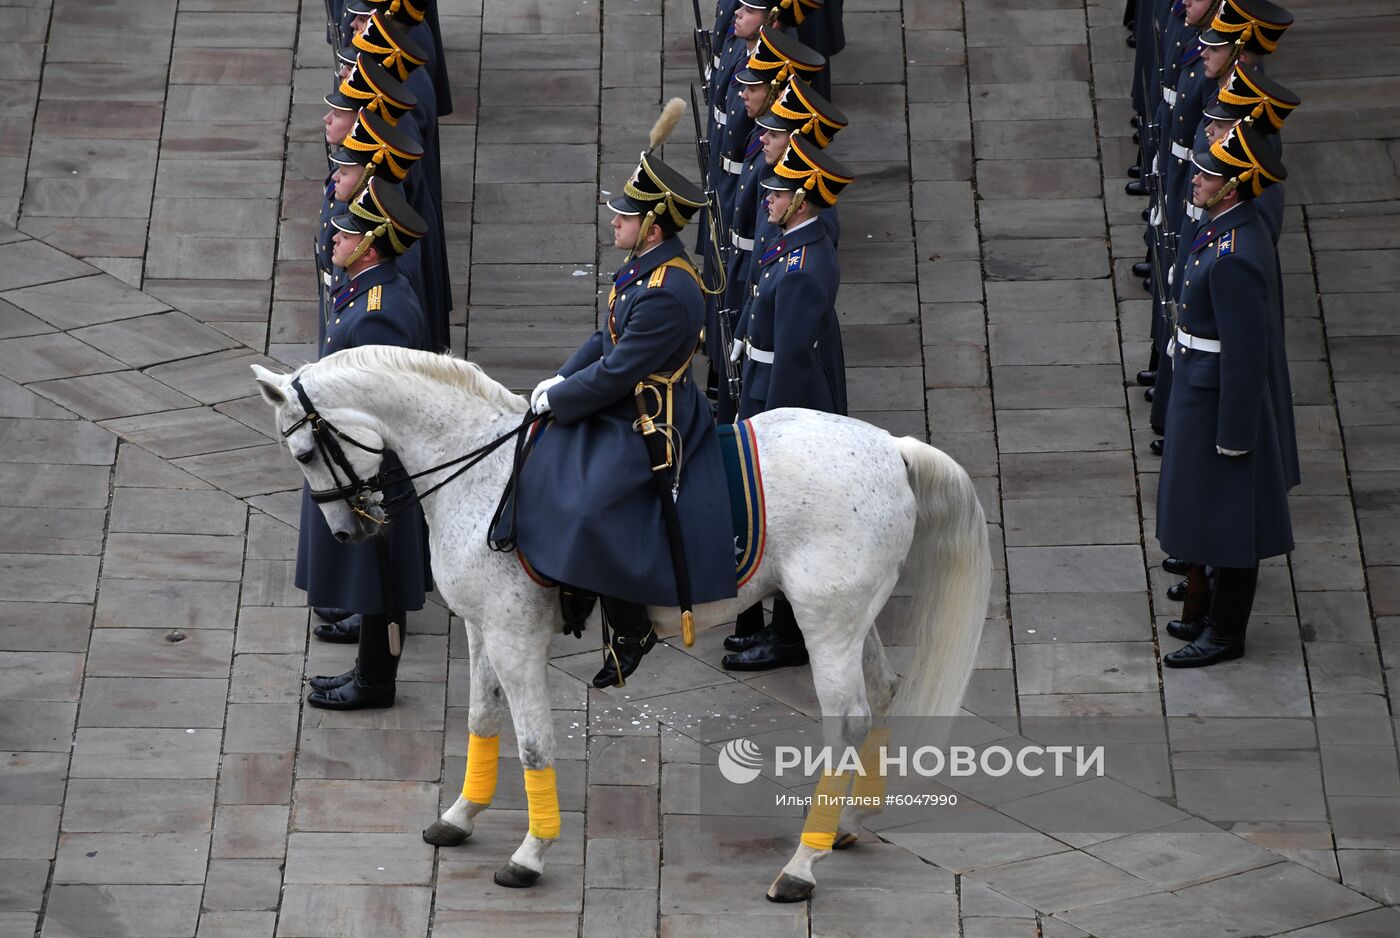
(658, 193)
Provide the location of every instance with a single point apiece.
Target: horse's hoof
(790, 889)
(443, 834)
(845, 840)
(515, 876)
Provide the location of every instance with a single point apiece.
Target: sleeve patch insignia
(1227, 244)
(797, 258)
(374, 299)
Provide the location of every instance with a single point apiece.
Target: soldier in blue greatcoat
(1223, 495)
(791, 349)
(375, 306)
(588, 512)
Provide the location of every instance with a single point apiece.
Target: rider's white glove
(737, 352)
(538, 402)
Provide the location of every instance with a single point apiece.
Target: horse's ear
(270, 384)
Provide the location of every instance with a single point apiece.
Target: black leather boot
(330, 613)
(328, 681)
(746, 629)
(1177, 566)
(1142, 269)
(1155, 447)
(370, 683)
(1149, 394)
(628, 639)
(1136, 187)
(1187, 630)
(1146, 379)
(344, 632)
(1212, 646)
(1135, 171)
(1177, 591)
(779, 645)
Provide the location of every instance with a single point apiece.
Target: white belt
(743, 244)
(758, 354)
(1155, 218)
(326, 277)
(733, 167)
(1186, 340)
(721, 117)
(1181, 152)
(714, 59)
(1195, 212)
(1169, 96)
(1171, 272)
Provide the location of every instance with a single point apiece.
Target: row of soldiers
(1208, 119)
(381, 266)
(773, 338)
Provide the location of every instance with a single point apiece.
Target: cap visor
(747, 76)
(1207, 164)
(623, 205)
(1212, 38)
(338, 101)
(778, 183)
(359, 8)
(767, 121)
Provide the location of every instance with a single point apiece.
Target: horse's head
(339, 450)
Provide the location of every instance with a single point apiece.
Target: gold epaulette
(658, 277)
(374, 300)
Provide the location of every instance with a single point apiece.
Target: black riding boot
(628, 638)
(777, 646)
(746, 628)
(1222, 638)
(370, 684)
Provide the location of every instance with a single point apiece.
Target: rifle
(719, 253)
(704, 51)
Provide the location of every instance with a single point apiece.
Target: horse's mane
(444, 369)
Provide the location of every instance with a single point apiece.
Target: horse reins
(356, 492)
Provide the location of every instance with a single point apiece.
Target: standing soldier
(588, 511)
(386, 577)
(1223, 495)
(791, 345)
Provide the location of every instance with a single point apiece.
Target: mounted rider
(588, 509)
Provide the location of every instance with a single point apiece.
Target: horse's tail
(952, 568)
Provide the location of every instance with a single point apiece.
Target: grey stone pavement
(158, 773)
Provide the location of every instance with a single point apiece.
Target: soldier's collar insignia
(774, 250)
(346, 293)
(626, 275)
(1227, 244)
(797, 258)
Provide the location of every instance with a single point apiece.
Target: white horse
(848, 505)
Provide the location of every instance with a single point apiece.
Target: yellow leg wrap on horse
(483, 755)
(543, 797)
(872, 783)
(819, 832)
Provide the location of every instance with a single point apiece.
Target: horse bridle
(357, 493)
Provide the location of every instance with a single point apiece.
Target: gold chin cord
(1225, 190)
(798, 198)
